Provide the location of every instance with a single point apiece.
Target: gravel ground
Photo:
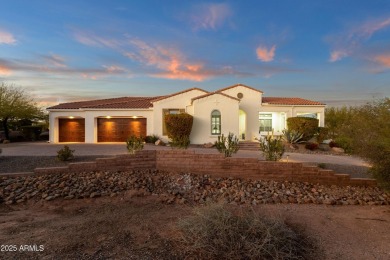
(182, 188)
(10, 164)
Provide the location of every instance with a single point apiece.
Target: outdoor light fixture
(134, 116)
(71, 117)
(108, 117)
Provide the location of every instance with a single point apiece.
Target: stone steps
(249, 146)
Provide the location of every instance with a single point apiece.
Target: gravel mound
(181, 188)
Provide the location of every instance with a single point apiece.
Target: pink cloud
(210, 16)
(172, 63)
(383, 60)
(6, 37)
(337, 55)
(348, 42)
(4, 71)
(264, 54)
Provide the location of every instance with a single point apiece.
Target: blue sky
(61, 51)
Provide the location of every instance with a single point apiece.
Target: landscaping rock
(208, 145)
(338, 150)
(159, 143)
(181, 188)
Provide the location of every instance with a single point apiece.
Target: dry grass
(214, 232)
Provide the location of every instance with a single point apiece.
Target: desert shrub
(134, 144)
(311, 146)
(305, 125)
(65, 154)
(227, 145)
(336, 119)
(345, 143)
(179, 128)
(365, 131)
(322, 134)
(272, 147)
(292, 136)
(214, 232)
(151, 139)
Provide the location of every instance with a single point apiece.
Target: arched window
(215, 122)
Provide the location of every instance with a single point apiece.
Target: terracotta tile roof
(115, 103)
(236, 85)
(290, 101)
(178, 93)
(213, 93)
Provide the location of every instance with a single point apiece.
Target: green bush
(214, 232)
(179, 128)
(305, 125)
(345, 142)
(365, 131)
(134, 144)
(272, 147)
(65, 154)
(227, 145)
(292, 137)
(151, 139)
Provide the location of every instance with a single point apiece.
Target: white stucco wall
(292, 111)
(180, 101)
(229, 109)
(250, 104)
(91, 116)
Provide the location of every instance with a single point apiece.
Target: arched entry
(242, 125)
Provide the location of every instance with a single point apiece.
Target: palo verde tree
(15, 104)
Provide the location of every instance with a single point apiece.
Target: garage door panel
(71, 130)
(119, 129)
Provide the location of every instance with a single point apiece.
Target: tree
(15, 103)
(365, 130)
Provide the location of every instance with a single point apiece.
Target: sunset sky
(337, 52)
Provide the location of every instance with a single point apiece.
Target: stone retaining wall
(214, 165)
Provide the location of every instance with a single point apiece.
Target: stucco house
(239, 109)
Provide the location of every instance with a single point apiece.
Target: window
(265, 122)
(240, 95)
(167, 112)
(311, 115)
(215, 122)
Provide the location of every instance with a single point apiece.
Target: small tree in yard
(65, 154)
(179, 128)
(15, 103)
(272, 147)
(227, 145)
(134, 144)
(305, 125)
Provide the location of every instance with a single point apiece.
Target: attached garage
(71, 130)
(119, 129)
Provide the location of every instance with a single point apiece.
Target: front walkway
(47, 149)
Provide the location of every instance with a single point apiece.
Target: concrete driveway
(48, 149)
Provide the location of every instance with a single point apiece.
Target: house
(239, 109)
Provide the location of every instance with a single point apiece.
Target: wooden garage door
(119, 129)
(71, 130)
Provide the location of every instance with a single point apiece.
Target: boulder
(159, 143)
(338, 150)
(208, 145)
(324, 147)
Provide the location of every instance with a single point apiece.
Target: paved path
(47, 149)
